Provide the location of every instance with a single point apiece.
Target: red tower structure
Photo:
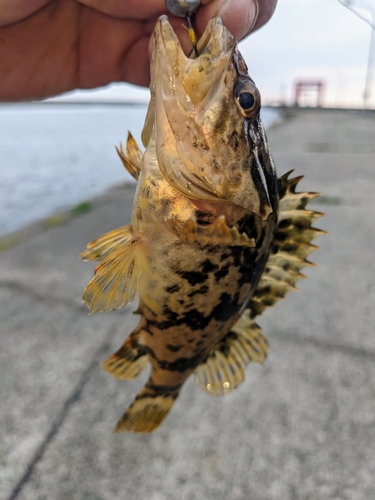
(303, 87)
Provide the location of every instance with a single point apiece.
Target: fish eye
(247, 98)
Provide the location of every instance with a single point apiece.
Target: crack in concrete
(328, 346)
(20, 288)
(291, 337)
(70, 401)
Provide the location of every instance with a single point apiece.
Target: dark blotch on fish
(208, 266)
(173, 348)
(201, 291)
(193, 277)
(222, 272)
(226, 308)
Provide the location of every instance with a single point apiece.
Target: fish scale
(215, 237)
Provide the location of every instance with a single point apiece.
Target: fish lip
(165, 32)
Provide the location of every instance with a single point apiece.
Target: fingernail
(239, 16)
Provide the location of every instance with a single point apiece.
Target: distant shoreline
(288, 110)
(74, 103)
(283, 108)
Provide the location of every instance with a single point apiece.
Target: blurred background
(310, 40)
(302, 426)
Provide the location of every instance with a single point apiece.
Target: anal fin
(129, 361)
(223, 370)
(115, 282)
(108, 242)
(217, 233)
(131, 157)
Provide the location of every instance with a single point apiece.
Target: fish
(215, 237)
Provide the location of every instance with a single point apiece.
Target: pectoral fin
(100, 248)
(116, 278)
(131, 157)
(217, 233)
(224, 368)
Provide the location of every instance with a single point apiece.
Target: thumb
(241, 17)
(238, 16)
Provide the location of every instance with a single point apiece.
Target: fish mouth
(194, 76)
(214, 40)
(180, 88)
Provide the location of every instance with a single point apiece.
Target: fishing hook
(184, 8)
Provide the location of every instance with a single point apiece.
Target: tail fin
(149, 408)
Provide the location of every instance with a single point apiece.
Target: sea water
(54, 156)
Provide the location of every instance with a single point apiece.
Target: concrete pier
(301, 427)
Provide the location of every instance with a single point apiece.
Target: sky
(304, 40)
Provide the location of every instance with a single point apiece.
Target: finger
(129, 9)
(266, 9)
(12, 11)
(136, 66)
(241, 17)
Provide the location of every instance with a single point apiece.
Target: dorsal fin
(131, 157)
(223, 369)
(290, 248)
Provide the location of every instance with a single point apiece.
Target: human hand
(53, 46)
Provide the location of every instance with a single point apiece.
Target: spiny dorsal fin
(129, 361)
(149, 408)
(109, 242)
(116, 278)
(223, 370)
(290, 248)
(217, 233)
(131, 157)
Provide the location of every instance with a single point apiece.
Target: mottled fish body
(210, 245)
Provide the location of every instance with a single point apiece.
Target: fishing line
(192, 36)
(348, 5)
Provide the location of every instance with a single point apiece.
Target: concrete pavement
(301, 427)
